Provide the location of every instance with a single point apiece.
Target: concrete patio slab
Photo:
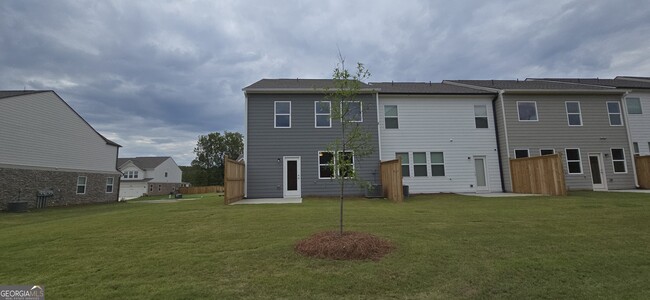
(631, 191)
(496, 195)
(269, 201)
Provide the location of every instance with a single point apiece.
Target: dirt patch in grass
(349, 246)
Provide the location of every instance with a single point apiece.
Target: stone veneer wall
(165, 188)
(28, 182)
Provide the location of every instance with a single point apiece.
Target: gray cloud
(153, 75)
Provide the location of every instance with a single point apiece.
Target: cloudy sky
(154, 75)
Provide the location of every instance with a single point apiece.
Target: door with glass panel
(597, 172)
(480, 169)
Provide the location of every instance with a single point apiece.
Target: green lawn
(588, 245)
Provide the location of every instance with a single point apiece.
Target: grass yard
(588, 245)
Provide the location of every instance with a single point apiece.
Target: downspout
(378, 125)
(245, 145)
(119, 182)
(496, 133)
(505, 134)
(629, 138)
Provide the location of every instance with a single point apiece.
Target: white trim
(514, 152)
(603, 174)
(549, 148)
(485, 174)
(112, 185)
(566, 158)
(487, 118)
(333, 164)
(275, 114)
(360, 110)
(536, 112)
(85, 185)
(611, 152)
(407, 164)
(395, 117)
(635, 148)
(505, 129)
(444, 167)
(316, 113)
(629, 139)
(640, 105)
(579, 113)
(620, 113)
(285, 192)
(335, 171)
(426, 163)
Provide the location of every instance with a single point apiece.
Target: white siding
(442, 124)
(640, 124)
(174, 173)
(40, 130)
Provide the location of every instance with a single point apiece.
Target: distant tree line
(210, 150)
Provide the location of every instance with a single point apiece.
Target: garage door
(130, 191)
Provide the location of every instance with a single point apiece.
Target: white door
(291, 172)
(480, 169)
(598, 177)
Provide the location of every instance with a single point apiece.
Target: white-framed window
(546, 151)
(81, 184)
(131, 174)
(614, 112)
(391, 120)
(109, 184)
(282, 113)
(343, 163)
(633, 106)
(151, 187)
(522, 153)
(437, 164)
(573, 161)
(166, 174)
(527, 111)
(618, 160)
(420, 164)
(573, 113)
(322, 114)
(325, 164)
(405, 163)
(352, 111)
(636, 148)
(481, 116)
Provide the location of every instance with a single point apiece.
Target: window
(160, 187)
(131, 174)
(614, 111)
(521, 153)
(546, 151)
(151, 187)
(344, 163)
(323, 114)
(109, 184)
(352, 111)
(390, 117)
(325, 164)
(633, 106)
(573, 113)
(636, 148)
(81, 184)
(527, 110)
(405, 163)
(282, 114)
(419, 164)
(437, 164)
(480, 116)
(618, 159)
(165, 174)
(574, 164)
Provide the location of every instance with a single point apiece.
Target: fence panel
(391, 179)
(201, 189)
(233, 181)
(643, 170)
(538, 175)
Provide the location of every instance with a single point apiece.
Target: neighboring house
(584, 123)
(288, 130)
(47, 147)
(148, 176)
(636, 105)
(444, 134)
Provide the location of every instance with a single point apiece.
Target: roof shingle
(295, 84)
(527, 85)
(425, 88)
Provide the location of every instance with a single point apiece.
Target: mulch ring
(349, 246)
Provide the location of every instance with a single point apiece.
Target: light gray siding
(266, 145)
(552, 132)
(640, 123)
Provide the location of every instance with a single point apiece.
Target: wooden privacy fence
(233, 181)
(391, 179)
(643, 170)
(538, 175)
(201, 189)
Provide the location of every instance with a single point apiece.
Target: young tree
(353, 142)
(212, 148)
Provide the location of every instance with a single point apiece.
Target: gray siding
(266, 144)
(553, 131)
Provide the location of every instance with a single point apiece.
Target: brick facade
(165, 188)
(27, 183)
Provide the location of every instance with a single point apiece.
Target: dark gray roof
(527, 85)
(143, 162)
(7, 94)
(425, 88)
(617, 82)
(295, 84)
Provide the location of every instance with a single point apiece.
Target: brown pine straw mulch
(350, 246)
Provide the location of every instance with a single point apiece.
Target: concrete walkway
(496, 195)
(269, 201)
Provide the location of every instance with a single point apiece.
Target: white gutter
(629, 137)
(378, 125)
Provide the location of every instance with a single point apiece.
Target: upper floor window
(390, 117)
(405, 163)
(282, 114)
(527, 110)
(618, 159)
(521, 153)
(633, 106)
(573, 113)
(480, 116)
(81, 184)
(352, 111)
(166, 174)
(614, 111)
(109, 184)
(131, 174)
(323, 114)
(573, 161)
